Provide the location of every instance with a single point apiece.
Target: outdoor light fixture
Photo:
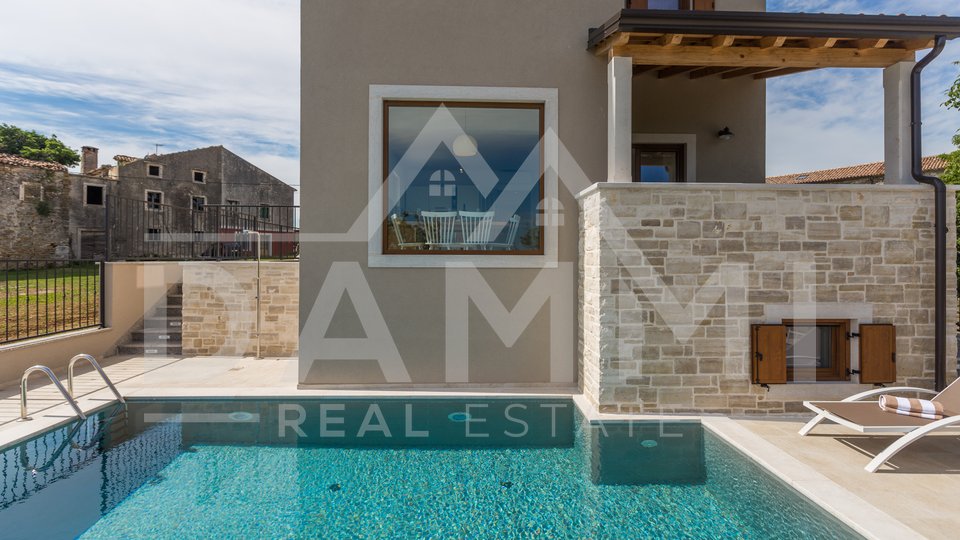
(464, 146)
(725, 134)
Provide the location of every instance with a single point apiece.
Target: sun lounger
(868, 417)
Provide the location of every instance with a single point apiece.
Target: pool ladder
(66, 392)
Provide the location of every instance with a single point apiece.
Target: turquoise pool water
(222, 470)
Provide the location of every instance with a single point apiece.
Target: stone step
(163, 322)
(168, 311)
(144, 349)
(156, 335)
(175, 300)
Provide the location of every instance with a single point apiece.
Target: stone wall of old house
(673, 276)
(34, 213)
(220, 308)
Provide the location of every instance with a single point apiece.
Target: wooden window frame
(840, 372)
(679, 148)
(385, 150)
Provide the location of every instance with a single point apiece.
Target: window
(200, 177)
(153, 235)
(92, 195)
(231, 202)
(31, 191)
(817, 350)
(264, 212)
(662, 163)
(475, 191)
(154, 170)
(198, 203)
(154, 200)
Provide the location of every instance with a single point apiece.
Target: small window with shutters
(878, 353)
(819, 351)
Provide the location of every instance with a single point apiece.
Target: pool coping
(861, 516)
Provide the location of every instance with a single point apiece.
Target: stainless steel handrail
(55, 381)
(97, 367)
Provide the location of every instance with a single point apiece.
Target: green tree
(952, 174)
(33, 145)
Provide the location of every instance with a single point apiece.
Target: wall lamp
(725, 134)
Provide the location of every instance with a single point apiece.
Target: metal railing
(43, 297)
(141, 230)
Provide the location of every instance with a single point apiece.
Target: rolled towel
(918, 408)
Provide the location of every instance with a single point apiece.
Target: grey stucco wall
(500, 43)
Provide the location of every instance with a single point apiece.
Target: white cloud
(179, 72)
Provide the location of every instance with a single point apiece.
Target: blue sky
(124, 75)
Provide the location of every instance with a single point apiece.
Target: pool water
(433, 469)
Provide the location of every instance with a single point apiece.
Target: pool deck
(913, 498)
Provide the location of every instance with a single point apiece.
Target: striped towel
(918, 408)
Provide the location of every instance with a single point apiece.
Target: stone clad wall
(219, 308)
(672, 277)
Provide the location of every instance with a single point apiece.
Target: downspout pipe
(940, 213)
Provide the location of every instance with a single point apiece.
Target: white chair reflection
(398, 231)
(475, 228)
(513, 224)
(440, 229)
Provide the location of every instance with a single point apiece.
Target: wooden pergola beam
(640, 70)
(709, 71)
(666, 73)
(871, 43)
(821, 43)
(779, 72)
(722, 41)
(772, 42)
(670, 40)
(744, 71)
(782, 57)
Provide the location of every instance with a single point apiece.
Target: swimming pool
(391, 468)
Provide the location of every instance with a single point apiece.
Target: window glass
(463, 178)
(663, 4)
(659, 163)
(154, 200)
(197, 203)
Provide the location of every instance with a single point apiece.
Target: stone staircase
(161, 333)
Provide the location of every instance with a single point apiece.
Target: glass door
(660, 163)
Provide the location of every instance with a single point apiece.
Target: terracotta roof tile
(866, 170)
(17, 161)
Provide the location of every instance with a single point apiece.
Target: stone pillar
(619, 119)
(896, 123)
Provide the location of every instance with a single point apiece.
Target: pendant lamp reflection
(464, 146)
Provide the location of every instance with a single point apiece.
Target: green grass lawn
(39, 301)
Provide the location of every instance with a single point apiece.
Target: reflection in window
(463, 177)
(659, 163)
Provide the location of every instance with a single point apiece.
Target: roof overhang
(763, 44)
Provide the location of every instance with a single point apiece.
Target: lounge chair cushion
(867, 414)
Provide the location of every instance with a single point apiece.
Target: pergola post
(896, 123)
(619, 119)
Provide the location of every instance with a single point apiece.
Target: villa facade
(583, 203)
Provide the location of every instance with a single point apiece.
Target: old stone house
(48, 212)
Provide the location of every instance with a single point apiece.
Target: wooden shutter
(703, 5)
(768, 353)
(878, 353)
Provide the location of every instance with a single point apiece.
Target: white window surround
(159, 167)
(103, 196)
(688, 140)
(193, 176)
(193, 198)
(375, 210)
(147, 200)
